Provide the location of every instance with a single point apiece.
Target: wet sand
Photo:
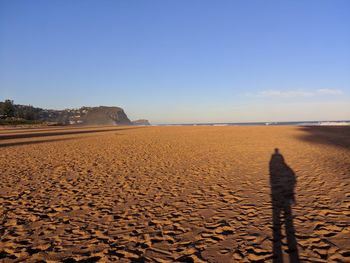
(164, 194)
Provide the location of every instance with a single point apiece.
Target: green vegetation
(18, 122)
(11, 114)
(7, 109)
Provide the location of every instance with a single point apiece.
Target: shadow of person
(282, 181)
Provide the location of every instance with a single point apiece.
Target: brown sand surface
(164, 194)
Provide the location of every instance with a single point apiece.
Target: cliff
(105, 115)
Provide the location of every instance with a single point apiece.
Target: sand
(164, 194)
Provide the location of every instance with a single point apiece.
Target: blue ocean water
(294, 123)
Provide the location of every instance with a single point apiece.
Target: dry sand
(163, 194)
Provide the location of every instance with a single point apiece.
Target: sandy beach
(183, 194)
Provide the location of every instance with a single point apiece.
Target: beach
(165, 194)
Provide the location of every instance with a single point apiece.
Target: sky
(180, 61)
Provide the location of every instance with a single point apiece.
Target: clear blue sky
(180, 61)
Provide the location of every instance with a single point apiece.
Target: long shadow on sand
(282, 181)
(68, 131)
(9, 144)
(332, 135)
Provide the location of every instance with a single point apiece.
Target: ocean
(295, 123)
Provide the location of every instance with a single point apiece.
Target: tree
(8, 109)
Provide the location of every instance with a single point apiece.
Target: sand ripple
(162, 194)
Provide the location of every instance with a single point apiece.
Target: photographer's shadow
(282, 180)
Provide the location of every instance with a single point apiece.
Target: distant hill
(101, 115)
